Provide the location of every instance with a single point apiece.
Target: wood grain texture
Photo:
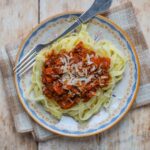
(133, 132)
(142, 9)
(52, 7)
(17, 17)
(89, 143)
(9, 138)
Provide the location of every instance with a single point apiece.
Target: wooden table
(17, 17)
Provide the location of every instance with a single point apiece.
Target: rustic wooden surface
(17, 17)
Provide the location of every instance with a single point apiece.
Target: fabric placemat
(122, 15)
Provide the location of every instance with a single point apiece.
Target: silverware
(98, 6)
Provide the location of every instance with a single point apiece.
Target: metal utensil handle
(71, 28)
(98, 6)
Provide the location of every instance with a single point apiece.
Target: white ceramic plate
(124, 92)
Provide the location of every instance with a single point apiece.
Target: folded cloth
(123, 16)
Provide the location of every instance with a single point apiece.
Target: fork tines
(26, 63)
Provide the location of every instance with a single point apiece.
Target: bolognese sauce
(69, 77)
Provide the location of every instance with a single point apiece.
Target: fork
(26, 63)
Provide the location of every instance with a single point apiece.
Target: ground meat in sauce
(69, 77)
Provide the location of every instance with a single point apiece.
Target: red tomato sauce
(69, 77)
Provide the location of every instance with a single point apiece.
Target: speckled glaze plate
(125, 92)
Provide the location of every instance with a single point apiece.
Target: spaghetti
(76, 75)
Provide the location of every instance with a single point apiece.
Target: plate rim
(126, 36)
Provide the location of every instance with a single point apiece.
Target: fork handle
(71, 28)
(98, 6)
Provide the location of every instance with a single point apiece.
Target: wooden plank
(133, 132)
(142, 9)
(88, 143)
(16, 18)
(49, 8)
(10, 139)
(142, 12)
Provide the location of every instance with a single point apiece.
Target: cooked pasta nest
(82, 111)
